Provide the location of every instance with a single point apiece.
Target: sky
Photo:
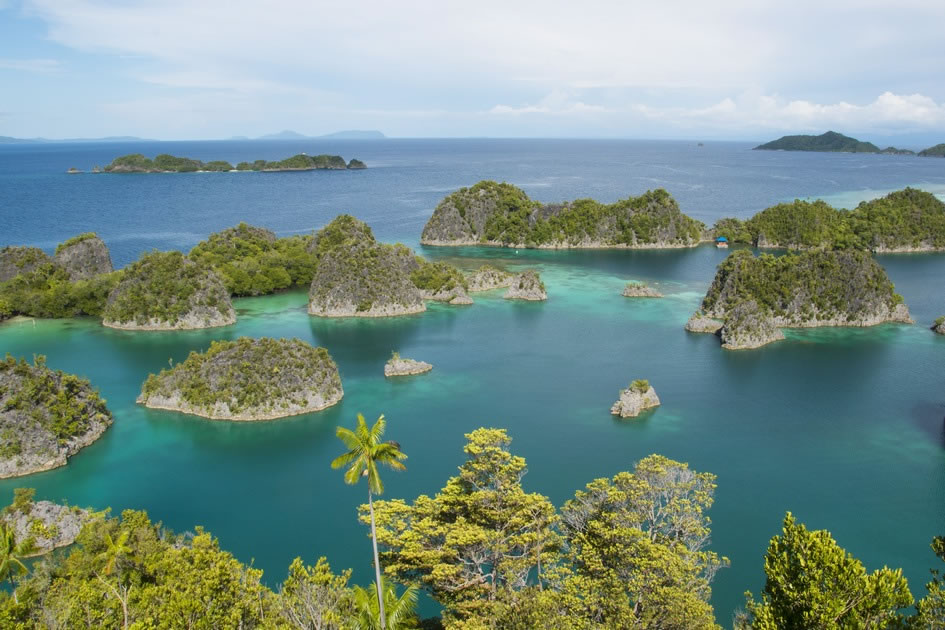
(686, 69)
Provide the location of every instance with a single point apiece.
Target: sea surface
(843, 427)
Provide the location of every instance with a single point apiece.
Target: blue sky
(726, 69)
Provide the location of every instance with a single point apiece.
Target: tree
(365, 452)
(11, 553)
(479, 540)
(313, 598)
(637, 548)
(399, 611)
(930, 610)
(812, 582)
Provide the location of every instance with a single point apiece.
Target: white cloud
(43, 66)
(557, 102)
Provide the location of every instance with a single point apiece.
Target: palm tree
(400, 610)
(365, 452)
(10, 553)
(114, 549)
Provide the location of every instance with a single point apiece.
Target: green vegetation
(640, 386)
(812, 582)
(802, 287)
(939, 321)
(937, 151)
(494, 213)
(11, 554)
(254, 376)
(47, 291)
(164, 163)
(18, 260)
(903, 220)
(829, 142)
(165, 286)
(365, 452)
(75, 240)
(437, 276)
(930, 610)
(61, 404)
(252, 261)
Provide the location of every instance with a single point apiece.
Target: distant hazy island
(751, 298)
(908, 220)
(833, 142)
(165, 163)
(502, 215)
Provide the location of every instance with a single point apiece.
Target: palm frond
(349, 438)
(377, 431)
(344, 459)
(364, 436)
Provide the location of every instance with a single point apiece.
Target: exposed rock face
(396, 366)
(699, 323)
(461, 300)
(358, 277)
(807, 289)
(166, 291)
(486, 278)
(17, 260)
(638, 397)
(46, 417)
(49, 525)
(526, 286)
(939, 325)
(747, 327)
(502, 215)
(441, 282)
(640, 289)
(247, 379)
(84, 256)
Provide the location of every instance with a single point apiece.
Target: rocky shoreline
(46, 525)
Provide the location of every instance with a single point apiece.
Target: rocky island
(826, 142)
(253, 261)
(753, 296)
(397, 366)
(84, 256)
(46, 416)
(247, 380)
(440, 282)
(640, 289)
(167, 291)
(487, 278)
(43, 525)
(908, 220)
(939, 325)
(165, 163)
(527, 286)
(636, 398)
(937, 151)
(502, 215)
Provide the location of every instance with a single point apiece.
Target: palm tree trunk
(377, 565)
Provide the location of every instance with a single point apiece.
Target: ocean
(843, 427)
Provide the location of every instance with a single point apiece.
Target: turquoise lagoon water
(844, 427)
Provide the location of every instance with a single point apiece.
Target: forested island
(247, 379)
(628, 551)
(46, 416)
(908, 220)
(165, 163)
(751, 297)
(833, 142)
(490, 213)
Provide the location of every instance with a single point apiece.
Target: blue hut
(721, 242)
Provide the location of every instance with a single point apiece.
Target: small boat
(721, 242)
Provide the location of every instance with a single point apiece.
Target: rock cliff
(247, 379)
(526, 286)
(440, 282)
(502, 215)
(84, 256)
(16, 260)
(636, 398)
(46, 417)
(166, 291)
(747, 327)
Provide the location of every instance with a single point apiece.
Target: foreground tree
(812, 582)
(930, 610)
(399, 611)
(11, 552)
(365, 452)
(313, 598)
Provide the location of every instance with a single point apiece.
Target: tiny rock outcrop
(699, 323)
(84, 256)
(747, 327)
(247, 379)
(46, 416)
(640, 289)
(526, 286)
(397, 366)
(487, 278)
(939, 325)
(636, 398)
(167, 291)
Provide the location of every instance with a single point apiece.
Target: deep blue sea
(844, 427)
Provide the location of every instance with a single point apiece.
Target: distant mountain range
(833, 142)
(349, 134)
